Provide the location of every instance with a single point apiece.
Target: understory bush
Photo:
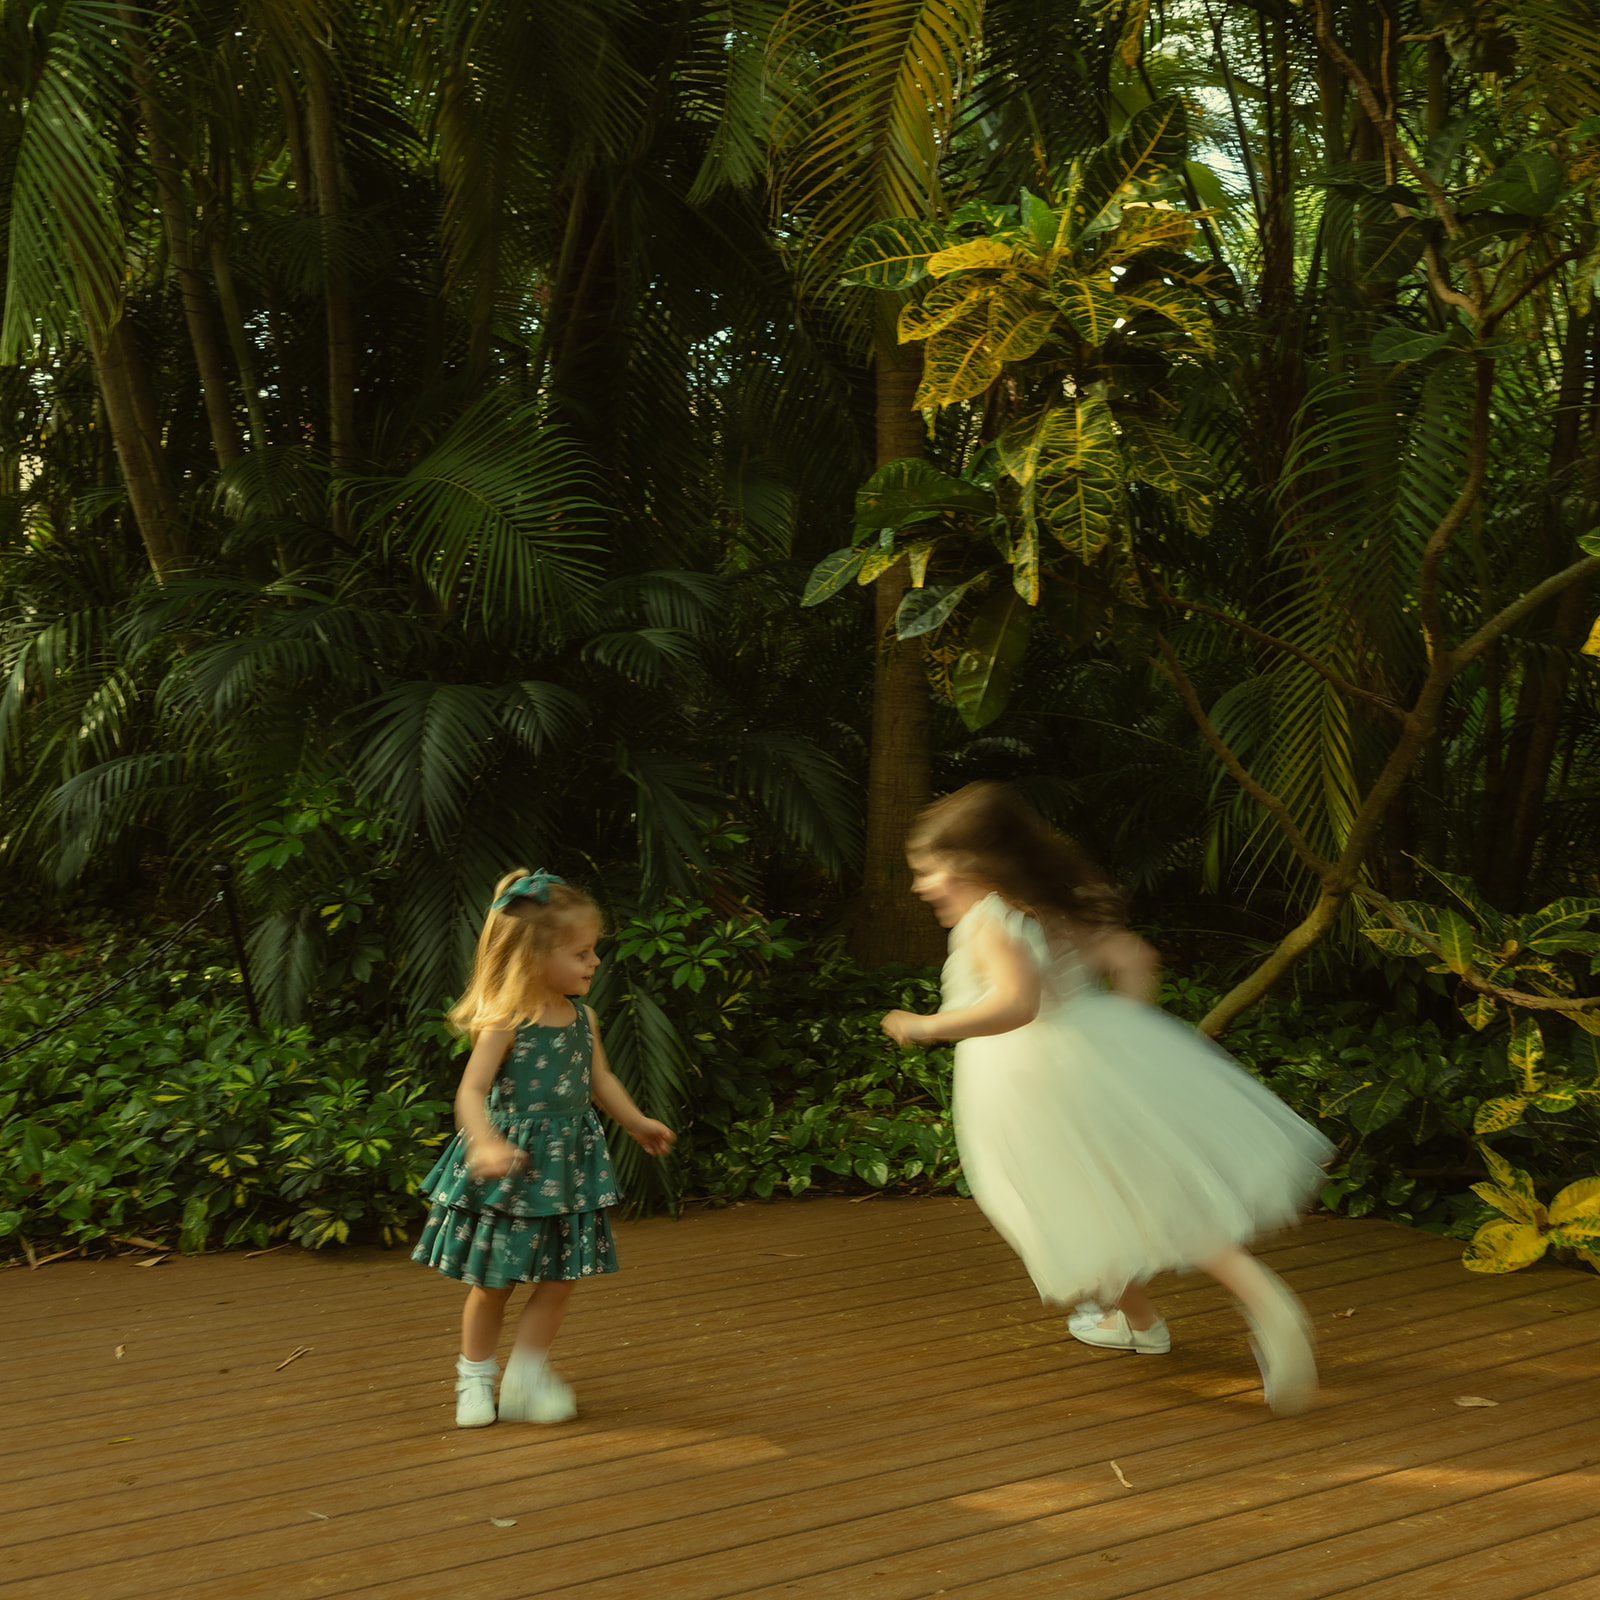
(163, 1112)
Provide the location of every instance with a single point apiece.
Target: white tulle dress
(1107, 1141)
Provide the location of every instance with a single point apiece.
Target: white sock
(476, 1369)
(526, 1352)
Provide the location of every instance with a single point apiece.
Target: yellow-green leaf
(981, 679)
(1167, 461)
(1479, 1011)
(1087, 303)
(970, 256)
(1025, 563)
(1494, 1116)
(960, 360)
(917, 557)
(1503, 1247)
(1149, 227)
(940, 306)
(1510, 1202)
(1525, 1053)
(830, 575)
(1177, 304)
(1020, 321)
(877, 562)
(1578, 1202)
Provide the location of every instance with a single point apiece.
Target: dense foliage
(419, 423)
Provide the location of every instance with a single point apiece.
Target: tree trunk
(176, 223)
(327, 168)
(131, 416)
(890, 923)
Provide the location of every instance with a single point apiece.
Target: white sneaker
(531, 1392)
(474, 1400)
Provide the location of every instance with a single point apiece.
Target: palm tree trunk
(131, 417)
(890, 923)
(328, 175)
(175, 221)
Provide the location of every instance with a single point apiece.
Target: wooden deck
(831, 1398)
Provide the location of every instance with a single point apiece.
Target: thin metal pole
(223, 873)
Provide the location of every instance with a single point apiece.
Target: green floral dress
(547, 1219)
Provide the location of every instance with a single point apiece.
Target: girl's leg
(1282, 1334)
(530, 1391)
(1136, 1306)
(481, 1318)
(543, 1314)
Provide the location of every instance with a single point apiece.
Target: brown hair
(990, 835)
(506, 987)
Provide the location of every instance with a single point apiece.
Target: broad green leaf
(892, 255)
(912, 490)
(1376, 1105)
(923, 610)
(970, 256)
(1526, 1052)
(1578, 1202)
(1166, 460)
(1555, 1098)
(1388, 246)
(941, 306)
(1156, 140)
(1087, 303)
(1531, 182)
(873, 1170)
(830, 575)
(1503, 1247)
(917, 559)
(1495, 1116)
(1040, 220)
(1479, 1011)
(1406, 344)
(980, 681)
(1589, 543)
(1551, 921)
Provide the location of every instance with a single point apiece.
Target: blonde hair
(990, 835)
(507, 987)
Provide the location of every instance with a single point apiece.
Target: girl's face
(951, 897)
(569, 964)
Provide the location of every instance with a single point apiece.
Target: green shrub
(164, 1112)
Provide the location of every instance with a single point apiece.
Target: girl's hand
(494, 1158)
(904, 1028)
(656, 1137)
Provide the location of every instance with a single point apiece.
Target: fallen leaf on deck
(321, 1516)
(504, 1522)
(120, 1349)
(1120, 1478)
(294, 1355)
(1350, 1313)
(60, 1255)
(143, 1243)
(127, 1438)
(1474, 1400)
(150, 1261)
(249, 1254)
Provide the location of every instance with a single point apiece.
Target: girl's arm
(1012, 1000)
(605, 1089)
(489, 1155)
(1131, 965)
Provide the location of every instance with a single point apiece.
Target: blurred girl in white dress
(1105, 1140)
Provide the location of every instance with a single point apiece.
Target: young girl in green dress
(519, 1194)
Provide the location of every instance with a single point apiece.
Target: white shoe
(1285, 1354)
(474, 1399)
(1151, 1341)
(531, 1392)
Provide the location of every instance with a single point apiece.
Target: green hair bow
(534, 887)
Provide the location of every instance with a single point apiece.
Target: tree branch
(1337, 679)
(1439, 541)
(1263, 797)
(1512, 614)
